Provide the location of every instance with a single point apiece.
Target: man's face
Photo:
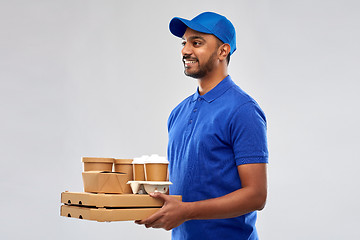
(199, 53)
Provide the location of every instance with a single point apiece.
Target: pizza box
(109, 207)
(111, 200)
(105, 214)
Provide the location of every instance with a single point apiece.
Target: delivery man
(217, 142)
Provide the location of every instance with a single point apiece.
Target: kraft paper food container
(97, 164)
(125, 166)
(139, 168)
(156, 168)
(104, 182)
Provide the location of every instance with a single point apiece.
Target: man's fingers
(153, 226)
(159, 195)
(157, 220)
(150, 219)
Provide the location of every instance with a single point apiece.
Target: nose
(186, 50)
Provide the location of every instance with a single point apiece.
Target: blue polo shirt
(209, 136)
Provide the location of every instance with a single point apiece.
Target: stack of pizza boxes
(117, 189)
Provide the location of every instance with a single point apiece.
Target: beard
(203, 69)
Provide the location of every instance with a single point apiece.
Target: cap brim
(178, 26)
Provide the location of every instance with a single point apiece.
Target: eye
(183, 43)
(196, 43)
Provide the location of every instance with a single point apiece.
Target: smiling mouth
(189, 62)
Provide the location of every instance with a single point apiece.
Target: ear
(224, 50)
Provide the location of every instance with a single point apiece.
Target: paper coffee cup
(97, 164)
(138, 168)
(125, 166)
(156, 171)
(156, 168)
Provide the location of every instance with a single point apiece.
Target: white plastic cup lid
(155, 158)
(140, 160)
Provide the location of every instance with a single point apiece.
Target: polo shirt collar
(216, 92)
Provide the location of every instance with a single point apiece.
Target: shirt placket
(194, 114)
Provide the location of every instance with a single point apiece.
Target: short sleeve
(248, 134)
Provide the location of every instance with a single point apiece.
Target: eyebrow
(195, 37)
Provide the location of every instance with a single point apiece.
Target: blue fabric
(209, 136)
(206, 22)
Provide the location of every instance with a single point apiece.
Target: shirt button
(195, 109)
(199, 99)
(190, 121)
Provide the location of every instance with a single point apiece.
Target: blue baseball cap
(207, 22)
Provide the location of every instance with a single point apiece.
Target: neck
(211, 80)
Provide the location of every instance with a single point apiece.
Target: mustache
(188, 57)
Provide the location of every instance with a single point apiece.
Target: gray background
(99, 78)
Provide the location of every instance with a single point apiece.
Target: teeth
(187, 62)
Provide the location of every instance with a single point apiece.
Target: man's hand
(172, 214)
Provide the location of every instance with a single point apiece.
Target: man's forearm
(234, 204)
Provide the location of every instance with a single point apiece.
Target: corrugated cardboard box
(107, 215)
(112, 200)
(109, 207)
